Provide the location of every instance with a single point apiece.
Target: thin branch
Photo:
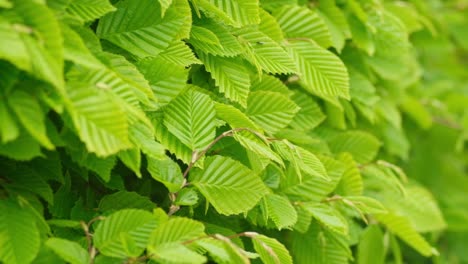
(89, 237)
(196, 156)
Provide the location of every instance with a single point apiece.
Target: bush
(233, 131)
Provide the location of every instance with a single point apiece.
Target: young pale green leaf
(223, 176)
(235, 117)
(269, 83)
(327, 247)
(351, 181)
(320, 71)
(171, 142)
(280, 210)
(270, 27)
(125, 233)
(68, 250)
(167, 241)
(264, 52)
(309, 116)
(234, 13)
(271, 251)
(177, 254)
(176, 230)
(327, 216)
(301, 22)
(108, 122)
(201, 34)
(167, 80)
(125, 200)
(258, 146)
(43, 49)
(362, 145)
(272, 111)
(19, 235)
(167, 172)
(186, 197)
(230, 45)
(137, 26)
(366, 205)
(312, 188)
(180, 54)
(132, 160)
(142, 136)
(88, 10)
(191, 118)
(223, 250)
(371, 248)
(230, 76)
(165, 4)
(402, 227)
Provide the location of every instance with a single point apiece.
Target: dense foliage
(233, 131)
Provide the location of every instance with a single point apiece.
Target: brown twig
(89, 237)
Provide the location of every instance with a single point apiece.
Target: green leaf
(29, 179)
(167, 80)
(143, 137)
(309, 116)
(263, 51)
(9, 129)
(301, 22)
(30, 115)
(257, 146)
(320, 71)
(269, 83)
(167, 172)
(280, 210)
(402, 227)
(123, 228)
(132, 159)
(137, 26)
(179, 53)
(327, 216)
(190, 117)
(371, 247)
(327, 247)
(95, 110)
(125, 200)
(88, 10)
(235, 13)
(201, 34)
(165, 4)
(235, 117)
(176, 230)
(270, 27)
(5, 4)
(230, 76)
(19, 235)
(167, 241)
(365, 204)
(272, 111)
(270, 250)
(68, 250)
(22, 148)
(37, 41)
(351, 181)
(311, 187)
(362, 145)
(186, 197)
(223, 176)
(223, 250)
(230, 45)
